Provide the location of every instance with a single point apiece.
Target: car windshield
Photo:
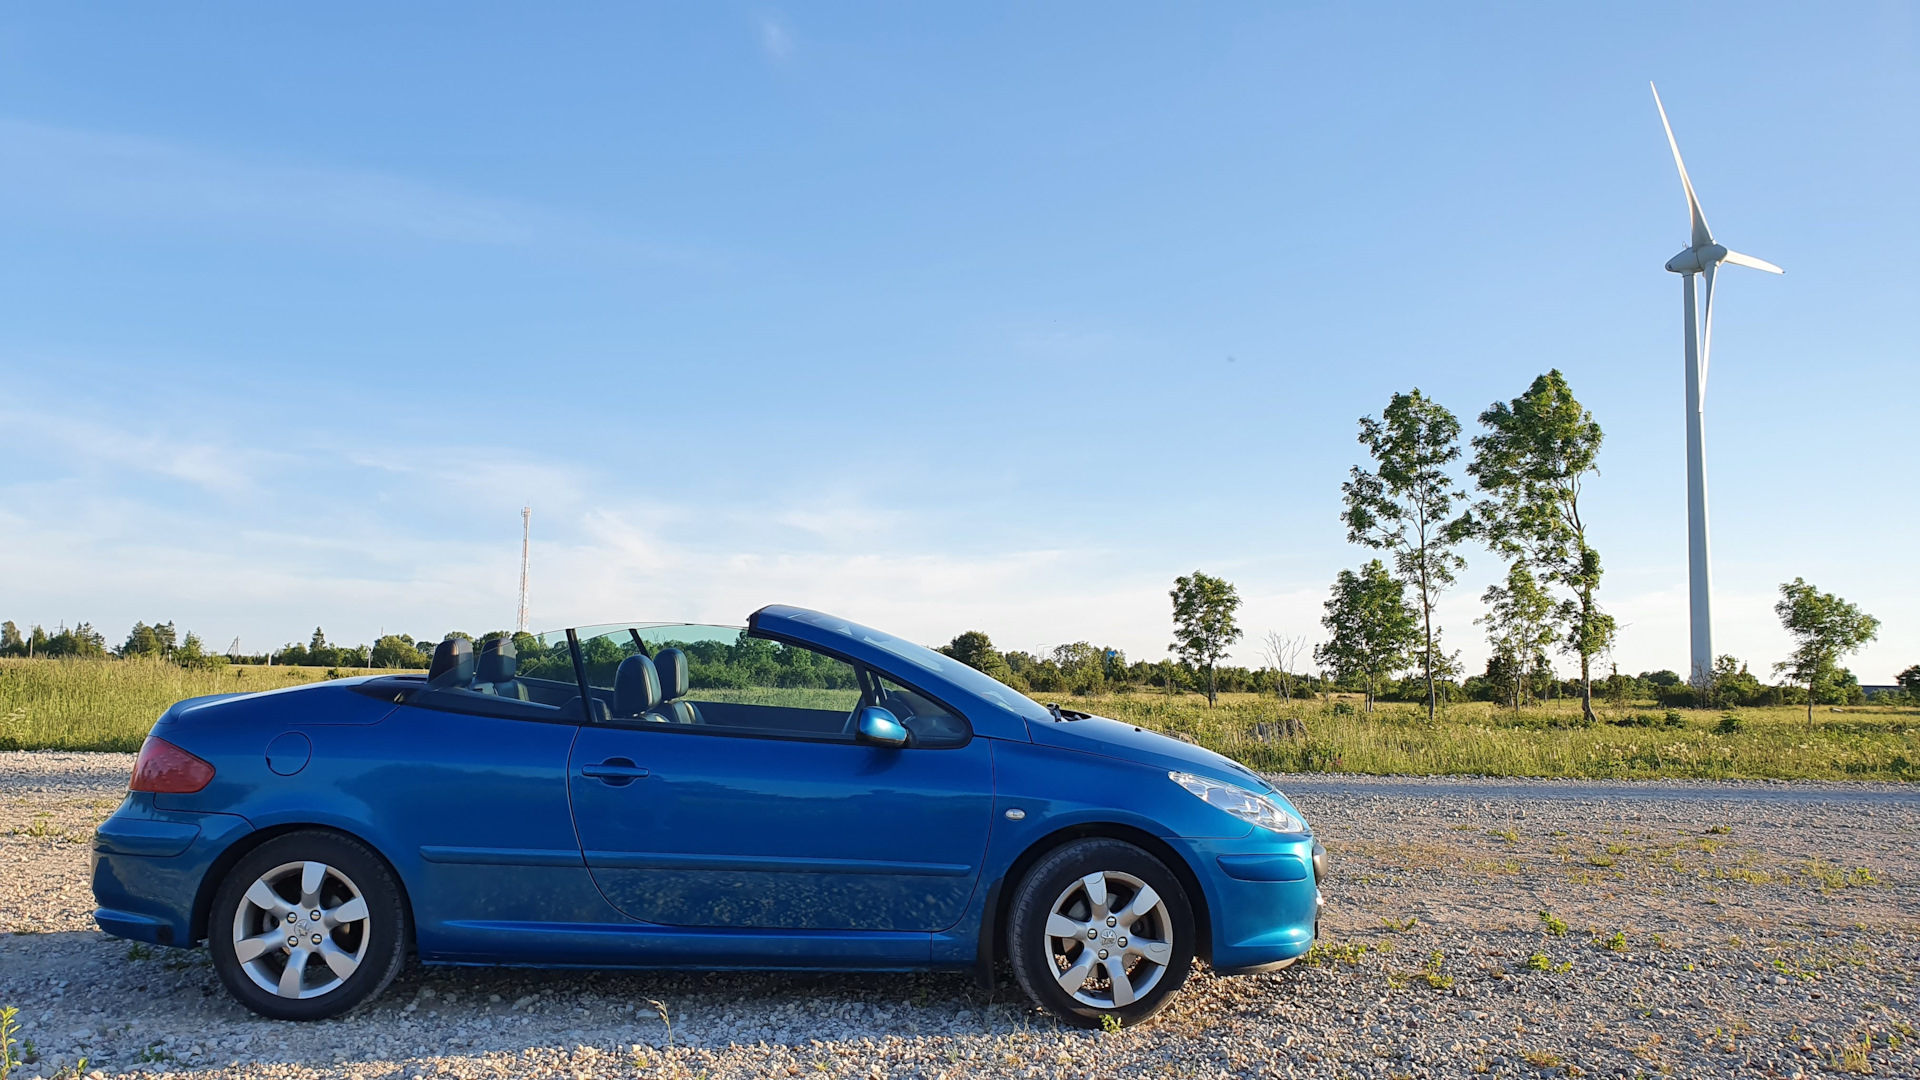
(973, 682)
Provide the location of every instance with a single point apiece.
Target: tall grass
(109, 705)
(1862, 743)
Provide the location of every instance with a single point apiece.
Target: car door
(756, 808)
(474, 790)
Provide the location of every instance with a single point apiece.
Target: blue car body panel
(779, 834)
(709, 850)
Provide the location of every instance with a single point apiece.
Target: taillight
(166, 769)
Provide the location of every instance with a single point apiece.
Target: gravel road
(1692, 929)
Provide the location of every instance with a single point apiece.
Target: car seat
(452, 666)
(636, 691)
(495, 669)
(674, 683)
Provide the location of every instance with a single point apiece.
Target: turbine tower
(526, 533)
(1701, 258)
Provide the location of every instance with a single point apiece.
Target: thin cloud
(775, 38)
(212, 467)
(127, 178)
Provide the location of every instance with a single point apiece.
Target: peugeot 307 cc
(804, 793)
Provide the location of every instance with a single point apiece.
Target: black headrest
(498, 661)
(452, 664)
(636, 686)
(672, 666)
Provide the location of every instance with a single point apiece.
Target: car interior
(654, 686)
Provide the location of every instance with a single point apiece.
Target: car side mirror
(878, 727)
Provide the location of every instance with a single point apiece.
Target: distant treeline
(165, 641)
(1087, 669)
(1081, 668)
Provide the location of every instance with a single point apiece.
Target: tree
(193, 653)
(81, 641)
(1406, 507)
(1370, 629)
(1522, 623)
(1825, 629)
(1731, 684)
(1537, 451)
(1284, 653)
(1203, 626)
(1909, 679)
(399, 651)
(976, 650)
(11, 643)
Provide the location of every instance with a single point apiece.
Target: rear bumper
(149, 866)
(1263, 897)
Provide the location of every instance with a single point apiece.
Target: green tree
(398, 651)
(1370, 628)
(141, 642)
(1203, 623)
(1909, 680)
(82, 641)
(1531, 462)
(975, 649)
(193, 653)
(1825, 629)
(1522, 623)
(1732, 684)
(11, 643)
(1406, 506)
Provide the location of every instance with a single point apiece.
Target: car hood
(1115, 739)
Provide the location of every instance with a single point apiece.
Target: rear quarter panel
(401, 779)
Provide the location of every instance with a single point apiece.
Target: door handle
(616, 772)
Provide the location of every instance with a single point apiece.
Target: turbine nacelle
(1694, 260)
(1697, 260)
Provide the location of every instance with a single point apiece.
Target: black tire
(376, 944)
(1039, 966)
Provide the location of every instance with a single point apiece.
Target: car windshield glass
(966, 678)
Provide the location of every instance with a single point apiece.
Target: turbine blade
(1738, 259)
(1706, 323)
(1702, 236)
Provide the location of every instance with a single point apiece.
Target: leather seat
(452, 665)
(495, 670)
(674, 683)
(636, 691)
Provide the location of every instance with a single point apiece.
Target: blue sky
(938, 318)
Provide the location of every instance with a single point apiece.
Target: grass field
(1478, 738)
(109, 705)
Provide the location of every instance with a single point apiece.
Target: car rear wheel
(307, 926)
(1101, 932)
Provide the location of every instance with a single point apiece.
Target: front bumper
(149, 866)
(1263, 898)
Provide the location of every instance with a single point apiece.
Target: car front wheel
(307, 926)
(1101, 932)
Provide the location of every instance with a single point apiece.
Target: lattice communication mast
(526, 533)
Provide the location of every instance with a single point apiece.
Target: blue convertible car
(802, 793)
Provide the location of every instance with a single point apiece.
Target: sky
(940, 318)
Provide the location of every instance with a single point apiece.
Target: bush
(1730, 724)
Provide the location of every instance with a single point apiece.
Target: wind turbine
(1702, 257)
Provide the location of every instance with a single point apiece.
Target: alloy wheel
(1110, 937)
(292, 915)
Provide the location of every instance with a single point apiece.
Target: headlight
(1246, 805)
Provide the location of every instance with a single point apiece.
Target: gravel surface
(1694, 929)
